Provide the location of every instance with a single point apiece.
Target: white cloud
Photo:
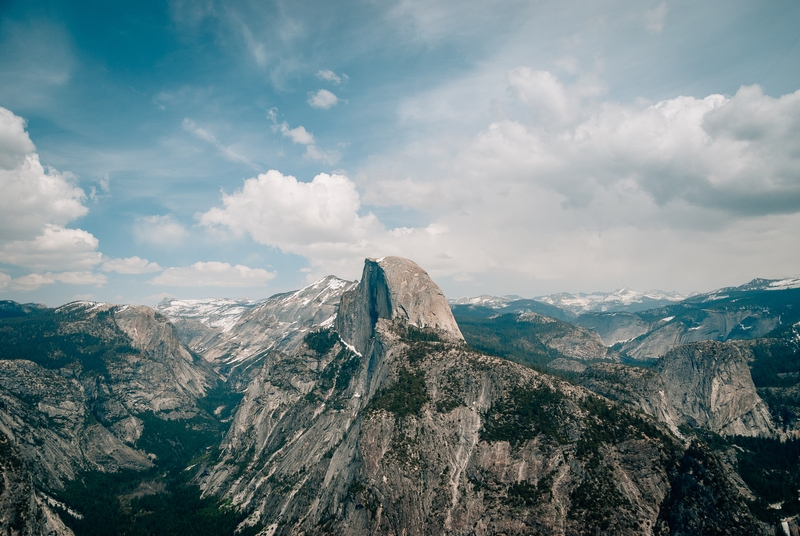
(204, 134)
(5, 279)
(279, 210)
(323, 99)
(568, 187)
(35, 281)
(301, 136)
(297, 135)
(319, 220)
(159, 230)
(130, 265)
(214, 274)
(654, 18)
(331, 77)
(56, 248)
(318, 155)
(31, 196)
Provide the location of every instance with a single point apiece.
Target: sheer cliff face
(395, 289)
(97, 366)
(703, 385)
(393, 426)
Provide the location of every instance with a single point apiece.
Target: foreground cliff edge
(346, 408)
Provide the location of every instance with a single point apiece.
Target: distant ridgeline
(375, 407)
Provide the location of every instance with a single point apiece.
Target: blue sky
(236, 149)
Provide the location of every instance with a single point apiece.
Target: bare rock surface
(703, 385)
(398, 289)
(234, 337)
(393, 426)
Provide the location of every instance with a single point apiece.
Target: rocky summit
(367, 408)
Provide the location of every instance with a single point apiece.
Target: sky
(238, 149)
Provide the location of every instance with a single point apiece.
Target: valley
(377, 407)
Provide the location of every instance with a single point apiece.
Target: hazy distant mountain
(235, 335)
(623, 299)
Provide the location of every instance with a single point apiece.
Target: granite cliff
(389, 424)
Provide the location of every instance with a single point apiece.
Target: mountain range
(377, 407)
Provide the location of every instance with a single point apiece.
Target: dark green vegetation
(505, 336)
(340, 371)
(701, 499)
(160, 501)
(321, 341)
(525, 413)
(404, 397)
(775, 369)
(771, 469)
(40, 337)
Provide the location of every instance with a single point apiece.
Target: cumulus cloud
(32, 196)
(567, 186)
(301, 136)
(214, 274)
(5, 279)
(297, 135)
(35, 281)
(162, 230)
(323, 99)
(279, 210)
(130, 265)
(319, 220)
(331, 77)
(56, 248)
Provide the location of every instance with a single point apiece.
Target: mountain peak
(394, 288)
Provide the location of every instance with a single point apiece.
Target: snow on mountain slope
(236, 335)
(212, 312)
(623, 299)
(485, 300)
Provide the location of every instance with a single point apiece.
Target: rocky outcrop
(615, 327)
(74, 383)
(570, 341)
(703, 385)
(395, 289)
(707, 325)
(163, 376)
(234, 337)
(393, 426)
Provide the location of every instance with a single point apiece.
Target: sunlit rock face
(234, 336)
(704, 385)
(394, 288)
(389, 424)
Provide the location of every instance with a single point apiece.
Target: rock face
(708, 326)
(743, 313)
(394, 288)
(576, 343)
(234, 336)
(703, 385)
(73, 383)
(393, 426)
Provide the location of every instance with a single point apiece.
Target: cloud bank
(214, 274)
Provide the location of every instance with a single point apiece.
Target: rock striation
(394, 289)
(389, 424)
(704, 385)
(234, 336)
